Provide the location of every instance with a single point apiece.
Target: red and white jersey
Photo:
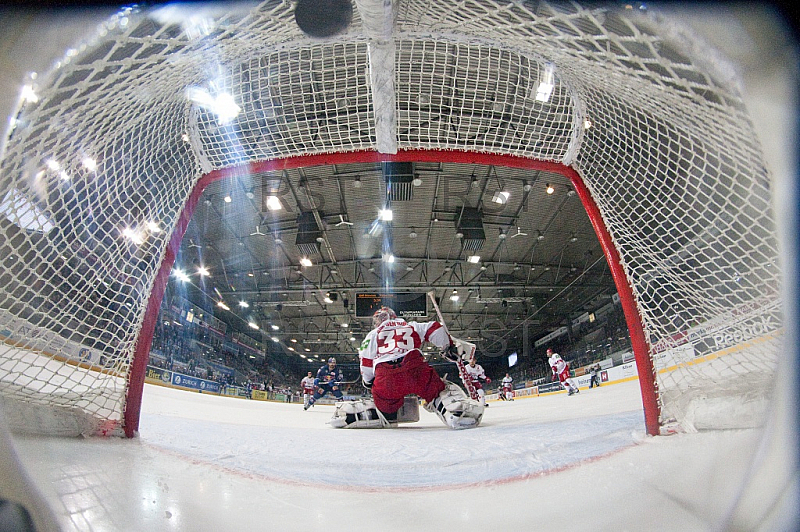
(475, 373)
(395, 338)
(557, 363)
(308, 384)
(507, 383)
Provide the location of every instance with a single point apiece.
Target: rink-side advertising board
(756, 319)
(163, 376)
(159, 374)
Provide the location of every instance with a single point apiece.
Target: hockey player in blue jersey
(329, 379)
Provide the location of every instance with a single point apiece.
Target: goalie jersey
(395, 338)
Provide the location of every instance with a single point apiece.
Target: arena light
(203, 271)
(474, 259)
(181, 275)
(252, 325)
(90, 164)
(546, 84)
(386, 215)
(132, 235)
(222, 305)
(221, 104)
(549, 188)
(501, 197)
(28, 94)
(244, 304)
(274, 203)
(305, 261)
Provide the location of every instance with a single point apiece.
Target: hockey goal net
(105, 157)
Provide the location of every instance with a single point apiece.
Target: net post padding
(640, 349)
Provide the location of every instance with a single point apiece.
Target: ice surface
(212, 463)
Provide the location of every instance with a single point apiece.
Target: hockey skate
(455, 409)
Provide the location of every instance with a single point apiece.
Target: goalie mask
(381, 315)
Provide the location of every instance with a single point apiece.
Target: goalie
(393, 367)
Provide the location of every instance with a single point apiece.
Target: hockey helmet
(381, 315)
(332, 361)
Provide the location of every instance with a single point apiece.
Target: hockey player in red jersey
(478, 376)
(561, 372)
(392, 366)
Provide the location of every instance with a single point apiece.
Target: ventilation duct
(470, 224)
(309, 234)
(398, 178)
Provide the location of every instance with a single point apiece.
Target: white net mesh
(96, 169)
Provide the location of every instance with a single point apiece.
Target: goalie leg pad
(455, 409)
(359, 414)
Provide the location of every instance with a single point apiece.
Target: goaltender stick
(392, 366)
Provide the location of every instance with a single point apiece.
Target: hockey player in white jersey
(307, 384)
(392, 366)
(561, 372)
(507, 390)
(478, 377)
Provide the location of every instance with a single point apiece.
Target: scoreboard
(406, 305)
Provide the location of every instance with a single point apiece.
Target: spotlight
(549, 188)
(501, 197)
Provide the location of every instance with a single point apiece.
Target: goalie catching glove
(451, 353)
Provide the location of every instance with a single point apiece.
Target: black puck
(323, 18)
